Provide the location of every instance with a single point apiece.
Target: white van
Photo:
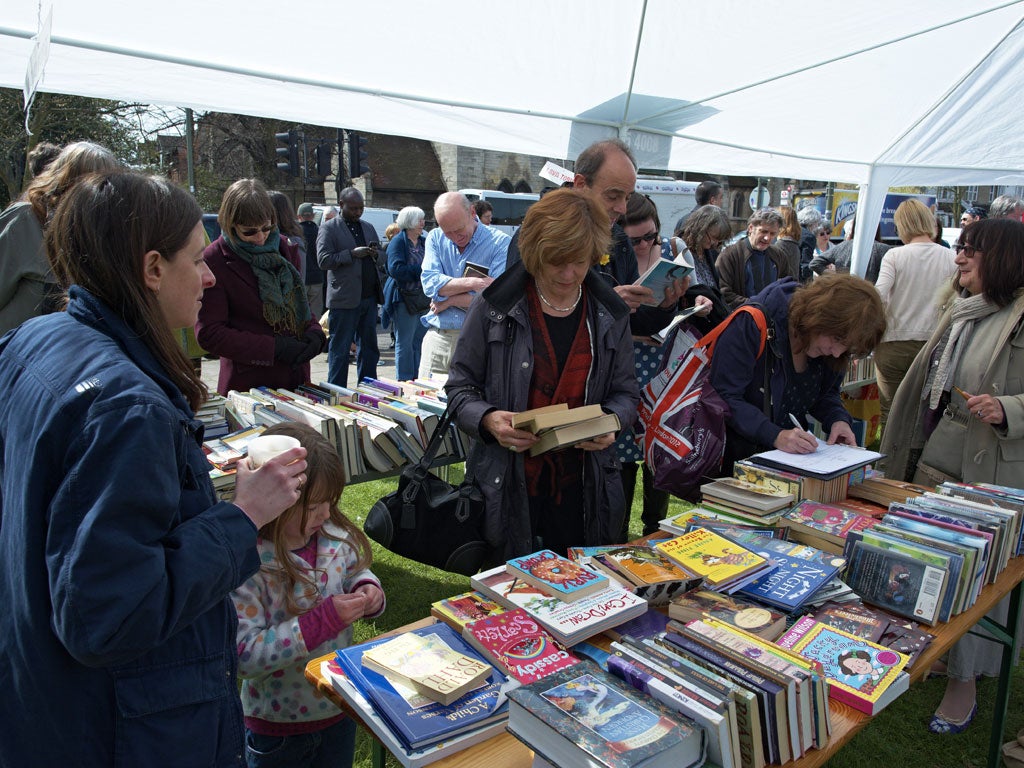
(672, 197)
(380, 218)
(509, 207)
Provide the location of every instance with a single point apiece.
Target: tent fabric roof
(729, 87)
(875, 92)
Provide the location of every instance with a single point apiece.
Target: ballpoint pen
(796, 423)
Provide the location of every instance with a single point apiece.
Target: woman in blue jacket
(814, 330)
(403, 290)
(116, 560)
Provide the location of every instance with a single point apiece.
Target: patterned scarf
(548, 387)
(280, 285)
(966, 311)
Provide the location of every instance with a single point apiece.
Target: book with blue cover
(414, 718)
(799, 573)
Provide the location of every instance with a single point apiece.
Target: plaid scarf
(552, 472)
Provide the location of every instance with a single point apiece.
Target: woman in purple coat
(256, 318)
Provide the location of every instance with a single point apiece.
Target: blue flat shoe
(940, 724)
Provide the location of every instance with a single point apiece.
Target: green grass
(896, 738)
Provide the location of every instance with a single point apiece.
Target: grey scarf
(966, 311)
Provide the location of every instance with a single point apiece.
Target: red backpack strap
(709, 339)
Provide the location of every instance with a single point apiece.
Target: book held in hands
(663, 273)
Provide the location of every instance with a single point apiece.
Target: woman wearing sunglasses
(256, 318)
(959, 413)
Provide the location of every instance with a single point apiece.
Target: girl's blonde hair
(325, 481)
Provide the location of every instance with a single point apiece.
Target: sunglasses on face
(253, 231)
(650, 237)
(967, 250)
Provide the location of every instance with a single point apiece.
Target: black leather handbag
(429, 520)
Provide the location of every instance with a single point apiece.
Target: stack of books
(784, 701)
(568, 621)
(824, 526)
(724, 565)
(881, 490)
(585, 716)
(377, 428)
(559, 426)
(414, 727)
(639, 568)
(744, 614)
(748, 500)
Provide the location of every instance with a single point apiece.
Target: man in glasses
(346, 248)
(746, 267)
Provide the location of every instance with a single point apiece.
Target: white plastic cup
(265, 447)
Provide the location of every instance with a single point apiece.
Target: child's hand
(374, 598)
(350, 607)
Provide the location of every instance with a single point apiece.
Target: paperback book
(460, 610)
(722, 563)
(519, 645)
(861, 674)
(825, 522)
(663, 273)
(565, 579)
(800, 571)
(746, 497)
(572, 434)
(896, 582)
(744, 614)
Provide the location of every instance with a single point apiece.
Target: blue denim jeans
(346, 325)
(333, 747)
(409, 332)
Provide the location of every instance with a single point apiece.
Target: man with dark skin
(346, 247)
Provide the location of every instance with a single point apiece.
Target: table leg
(1007, 637)
(377, 754)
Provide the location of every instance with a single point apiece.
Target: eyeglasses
(967, 250)
(650, 237)
(253, 231)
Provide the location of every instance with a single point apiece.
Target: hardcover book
(428, 665)
(569, 623)
(861, 674)
(517, 643)
(718, 560)
(745, 614)
(745, 496)
(459, 610)
(475, 270)
(577, 432)
(557, 575)
(771, 480)
(415, 719)
(585, 716)
(539, 420)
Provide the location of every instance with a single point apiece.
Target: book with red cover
(518, 644)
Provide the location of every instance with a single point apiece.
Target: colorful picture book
(723, 564)
(825, 522)
(428, 665)
(861, 674)
(585, 716)
(517, 643)
(460, 610)
(568, 623)
(565, 579)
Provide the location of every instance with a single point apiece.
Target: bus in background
(509, 207)
(673, 198)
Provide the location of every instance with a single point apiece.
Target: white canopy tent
(874, 92)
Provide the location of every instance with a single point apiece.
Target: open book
(663, 272)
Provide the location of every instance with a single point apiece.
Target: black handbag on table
(430, 520)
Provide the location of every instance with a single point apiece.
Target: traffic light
(357, 155)
(288, 152)
(323, 158)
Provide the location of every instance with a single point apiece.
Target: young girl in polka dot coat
(313, 584)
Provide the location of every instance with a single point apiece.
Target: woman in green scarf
(256, 318)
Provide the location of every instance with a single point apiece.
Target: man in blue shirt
(458, 238)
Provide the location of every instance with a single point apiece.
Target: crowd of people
(146, 602)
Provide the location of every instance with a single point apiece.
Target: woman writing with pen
(813, 331)
(959, 412)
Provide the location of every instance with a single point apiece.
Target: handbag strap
(436, 438)
(756, 313)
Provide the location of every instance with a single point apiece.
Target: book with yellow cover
(428, 665)
(723, 564)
